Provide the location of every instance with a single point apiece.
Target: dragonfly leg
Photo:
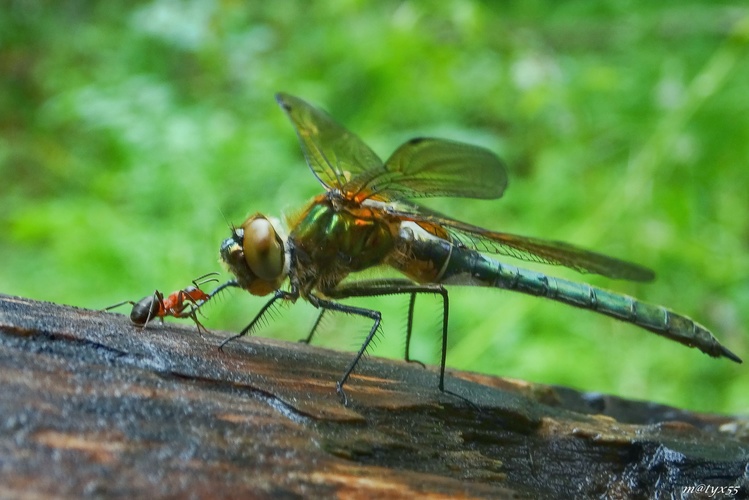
(394, 287)
(221, 288)
(278, 294)
(308, 339)
(216, 291)
(375, 316)
(409, 330)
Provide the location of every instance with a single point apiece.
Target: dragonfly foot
(408, 360)
(462, 398)
(226, 341)
(341, 393)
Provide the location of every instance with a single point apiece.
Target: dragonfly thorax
(256, 255)
(331, 240)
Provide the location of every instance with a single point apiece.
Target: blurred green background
(132, 135)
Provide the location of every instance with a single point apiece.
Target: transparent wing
(426, 167)
(419, 168)
(334, 154)
(519, 247)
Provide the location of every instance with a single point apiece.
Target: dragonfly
(366, 218)
(180, 304)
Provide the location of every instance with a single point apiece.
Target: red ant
(175, 304)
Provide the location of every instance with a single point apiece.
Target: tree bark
(92, 405)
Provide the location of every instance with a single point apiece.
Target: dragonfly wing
(520, 247)
(425, 167)
(334, 154)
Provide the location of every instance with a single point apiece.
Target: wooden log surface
(92, 405)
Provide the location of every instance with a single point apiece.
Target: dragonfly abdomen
(455, 265)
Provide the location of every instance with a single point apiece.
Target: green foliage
(130, 135)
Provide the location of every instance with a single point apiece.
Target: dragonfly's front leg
(278, 294)
(394, 287)
(216, 291)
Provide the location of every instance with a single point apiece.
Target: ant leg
(119, 304)
(156, 310)
(193, 316)
(180, 305)
(201, 280)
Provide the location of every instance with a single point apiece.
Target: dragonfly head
(256, 255)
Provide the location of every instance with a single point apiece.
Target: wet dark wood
(92, 405)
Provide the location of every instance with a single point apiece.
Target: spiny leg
(409, 330)
(278, 294)
(308, 339)
(445, 316)
(445, 312)
(375, 316)
(393, 287)
(216, 291)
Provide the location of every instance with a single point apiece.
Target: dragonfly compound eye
(263, 249)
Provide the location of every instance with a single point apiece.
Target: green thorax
(344, 239)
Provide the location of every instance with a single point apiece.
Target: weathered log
(92, 405)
